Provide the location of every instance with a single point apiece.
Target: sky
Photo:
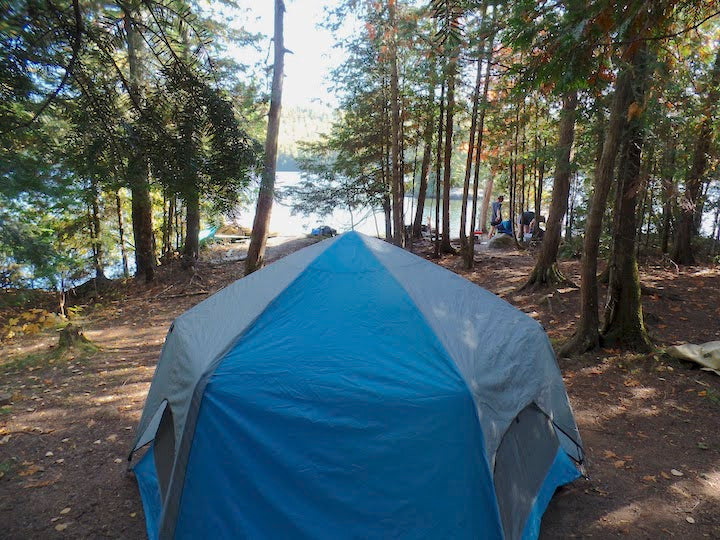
(312, 49)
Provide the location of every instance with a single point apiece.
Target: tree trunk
(425, 166)
(546, 271)
(570, 221)
(191, 249)
(513, 178)
(540, 182)
(445, 246)
(397, 176)
(178, 225)
(387, 211)
(623, 323)
(487, 194)
(121, 234)
(587, 335)
(668, 192)
(141, 214)
(471, 148)
(683, 252)
(523, 201)
(438, 166)
(258, 239)
(95, 226)
(138, 170)
(470, 252)
(167, 243)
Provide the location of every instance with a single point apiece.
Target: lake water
(365, 220)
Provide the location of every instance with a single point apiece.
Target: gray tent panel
(503, 354)
(525, 455)
(206, 331)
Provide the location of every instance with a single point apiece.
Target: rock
(502, 242)
(5, 399)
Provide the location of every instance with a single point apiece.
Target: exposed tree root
(637, 340)
(584, 340)
(543, 278)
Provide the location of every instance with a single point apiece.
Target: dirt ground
(649, 424)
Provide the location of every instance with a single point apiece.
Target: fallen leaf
(61, 526)
(49, 454)
(112, 438)
(619, 464)
(609, 454)
(649, 478)
(675, 472)
(665, 475)
(32, 469)
(703, 446)
(689, 519)
(118, 460)
(133, 514)
(97, 442)
(5, 439)
(41, 483)
(65, 510)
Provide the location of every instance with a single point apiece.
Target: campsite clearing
(65, 433)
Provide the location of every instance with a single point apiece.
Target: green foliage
(74, 118)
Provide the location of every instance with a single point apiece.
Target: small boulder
(503, 242)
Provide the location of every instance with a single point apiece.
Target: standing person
(496, 216)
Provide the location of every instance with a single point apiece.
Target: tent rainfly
(354, 390)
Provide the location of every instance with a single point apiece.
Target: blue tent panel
(149, 492)
(338, 415)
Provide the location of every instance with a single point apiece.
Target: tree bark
(95, 227)
(397, 176)
(167, 242)
(683, 252)
(623, 323)
(541, 181)
(438, 166)
(587, 334)
(445, 246)
(470, 252)
(138, 169)
(487, 194)
(425, 166)
(258, 239)
(668, 192)
(191, 249)
(546, 271)
(121, 234)
(471, 150)
(141, 215)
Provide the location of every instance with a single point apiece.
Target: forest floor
(649, 423)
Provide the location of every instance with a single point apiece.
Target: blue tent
(354, 390)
